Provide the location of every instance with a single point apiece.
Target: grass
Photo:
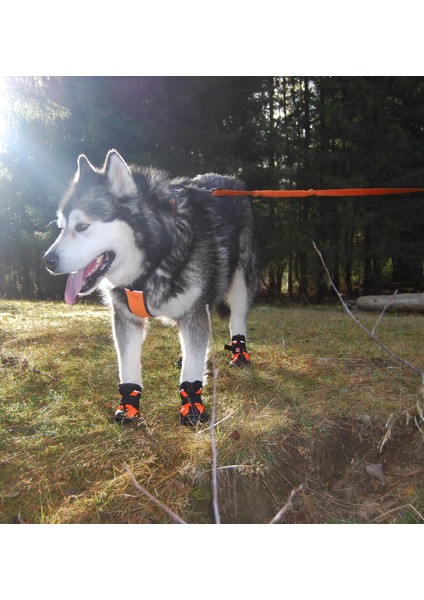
(311, 410)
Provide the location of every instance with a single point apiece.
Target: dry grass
(311, 411)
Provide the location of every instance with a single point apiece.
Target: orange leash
(311, 193)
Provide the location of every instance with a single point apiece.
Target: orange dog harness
(137, 303)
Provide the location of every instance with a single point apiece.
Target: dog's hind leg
(239, 300)
(194, 337)
(128, 334)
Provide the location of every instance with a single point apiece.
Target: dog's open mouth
(86, 279)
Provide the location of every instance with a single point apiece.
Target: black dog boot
(192, 410)
(129, 408)
(240, 357)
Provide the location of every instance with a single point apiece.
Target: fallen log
(411, 303)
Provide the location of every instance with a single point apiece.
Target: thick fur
(172, 238)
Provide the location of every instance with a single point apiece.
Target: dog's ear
(84, 166)
(119, 176)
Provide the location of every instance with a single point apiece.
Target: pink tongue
(73, 286)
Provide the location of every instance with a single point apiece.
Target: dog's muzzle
(51, 261)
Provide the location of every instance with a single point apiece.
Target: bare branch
(215, 424)
(374, 329)
(288, 505)
(420, 409)
(371, 334)
(158, 503)
(398, 509)
(389, 429)
(212, 427)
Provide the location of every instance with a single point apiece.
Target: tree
(26, 184)
(281, 132)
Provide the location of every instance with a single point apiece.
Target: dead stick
(371, 334)
(397, 509)
(288, 505)
(212, 427)
(153, 498)
(215, 424)
(374, 329)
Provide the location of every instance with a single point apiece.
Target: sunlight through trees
(274, 132)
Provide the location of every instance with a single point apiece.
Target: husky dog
(158, 247)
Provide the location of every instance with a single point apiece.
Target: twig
(160, 504)
(374, 329)
(153, 498)
(418, 425)
(230, 467)
(389, 428)
(397, 509)
(288, 505)
(371, 334)
(419, 407)
(212, 427)
(215, 424)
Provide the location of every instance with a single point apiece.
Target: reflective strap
(134, 393)
(137, 303)
(237, 356)
(186, 407)
(129, 410)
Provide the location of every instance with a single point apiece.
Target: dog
(158, 247)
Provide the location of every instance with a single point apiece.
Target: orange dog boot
(240, 357)
(192, 410)
(129, 407)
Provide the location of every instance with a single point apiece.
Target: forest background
(275, 132)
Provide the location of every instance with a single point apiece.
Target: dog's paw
(192, 415)
(192, 410)
(241, 360)
(128, 409)
(240, 356)
(126, 413)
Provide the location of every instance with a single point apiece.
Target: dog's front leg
(128, 334)
(194, 337)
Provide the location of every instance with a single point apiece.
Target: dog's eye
(82, 226)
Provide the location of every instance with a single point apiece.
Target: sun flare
(4, 125)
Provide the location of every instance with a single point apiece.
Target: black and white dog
(158, 247)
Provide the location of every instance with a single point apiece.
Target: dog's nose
(50, 260)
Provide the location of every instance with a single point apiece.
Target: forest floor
(323, 406)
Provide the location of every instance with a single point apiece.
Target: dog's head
(95, 245)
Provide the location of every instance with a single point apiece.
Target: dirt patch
(345, 479)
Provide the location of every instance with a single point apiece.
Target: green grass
(316, 378)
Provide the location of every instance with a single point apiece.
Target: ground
(322, 407)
